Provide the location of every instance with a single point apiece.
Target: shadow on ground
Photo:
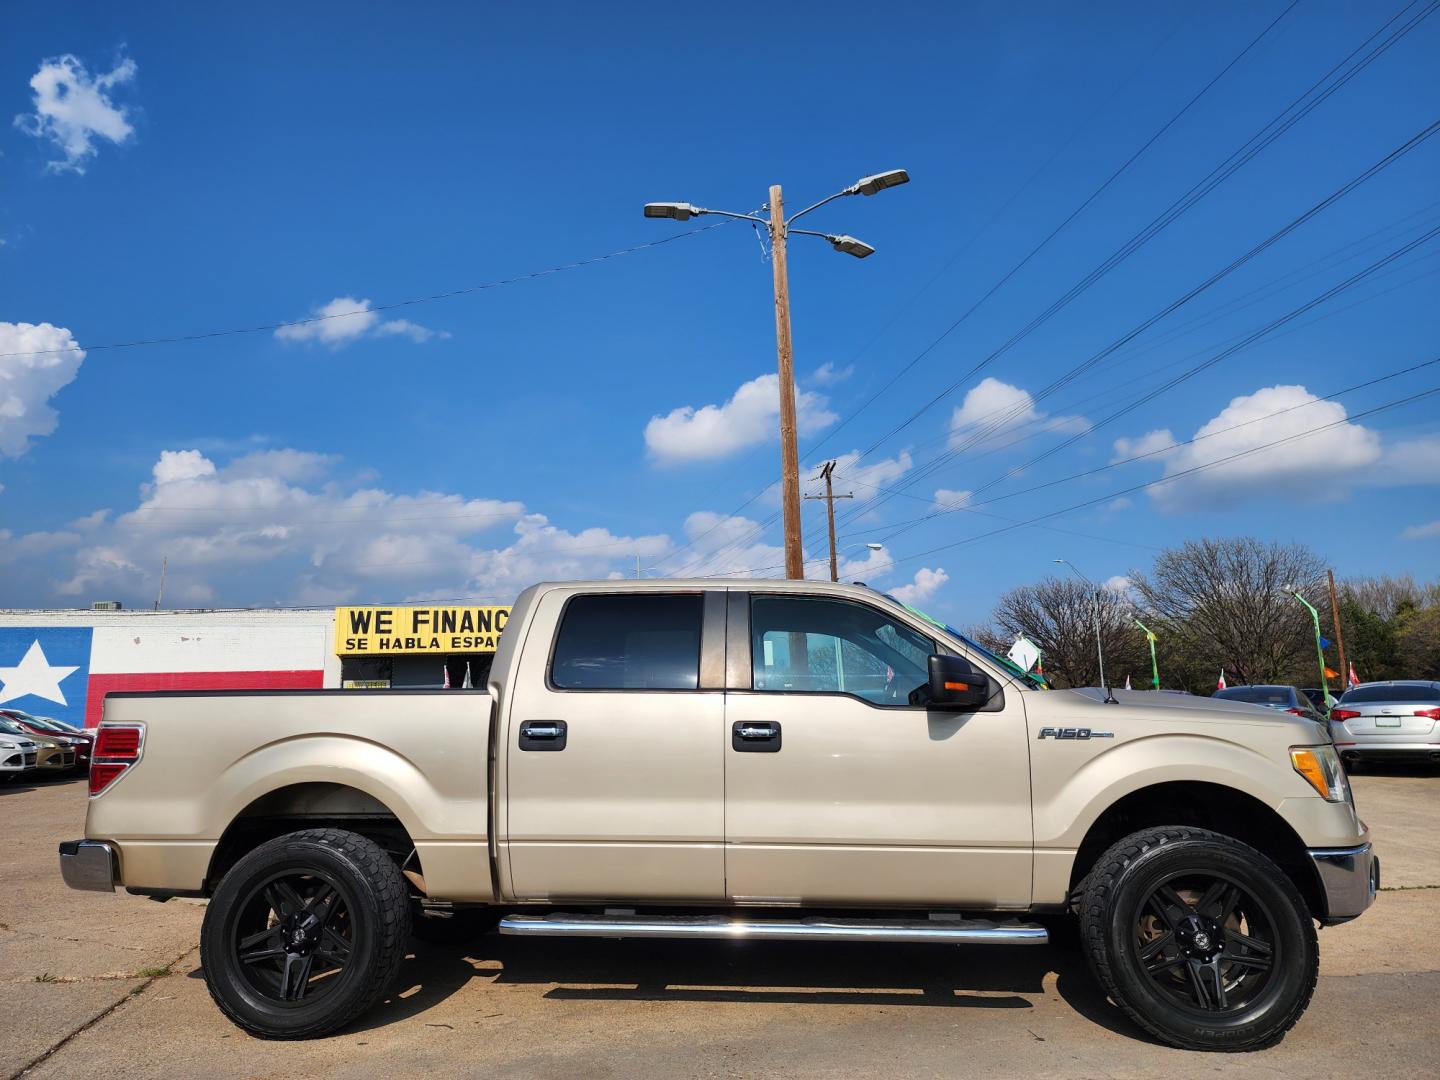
(761, 974)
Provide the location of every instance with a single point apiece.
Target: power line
(392, 306)
(1236, 160)
(1222, 172)
(996, 425)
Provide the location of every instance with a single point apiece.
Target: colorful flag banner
(1221, 684)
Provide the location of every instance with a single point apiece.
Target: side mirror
(955, 683)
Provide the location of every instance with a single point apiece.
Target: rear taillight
(1343, 714)
(1297, 712)
(1429, 714)
(117, 748)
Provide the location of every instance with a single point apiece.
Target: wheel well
(305, 806)
(1207, 806)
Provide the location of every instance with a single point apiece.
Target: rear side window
(1382, 692)
(619, 642)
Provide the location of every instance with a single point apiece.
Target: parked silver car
(1388, 721)
(18, 755)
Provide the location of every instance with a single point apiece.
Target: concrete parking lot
(90, 982)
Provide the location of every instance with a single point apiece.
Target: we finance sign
(391, 631)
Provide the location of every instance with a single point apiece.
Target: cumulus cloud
(726, 544)
(1320, 466)
(73, 109)
(345, 320)
(1409, 461)
(749, 418)
(279, 526)
(925, 585)
(993, 409)
(41, 360)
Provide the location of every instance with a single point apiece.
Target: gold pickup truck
(760, 760)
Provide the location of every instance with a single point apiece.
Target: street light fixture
(1099, 648)
(780, 227)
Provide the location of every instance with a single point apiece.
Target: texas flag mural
(66, 671)
(45, 670)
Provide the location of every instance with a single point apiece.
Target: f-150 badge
(1074, 733)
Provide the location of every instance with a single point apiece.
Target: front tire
(1202, 940)
(305, 933)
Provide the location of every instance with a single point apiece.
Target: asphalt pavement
(89, 981)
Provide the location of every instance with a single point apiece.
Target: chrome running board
(946, 930)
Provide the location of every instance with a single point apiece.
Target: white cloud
(345, 320)
(1428, 531)
(1412, 461)
(73, 109)
(994, 409)
(1152, 443)
(948, 499)
(1116, 505)
(749, 418)
(1318, 467)
(926, 584)
(1118, 584)
(721, 544)
(28, 382)
(869, 567)
(280, 527)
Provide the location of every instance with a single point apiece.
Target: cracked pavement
(78, 984)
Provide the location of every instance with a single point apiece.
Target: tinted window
(1384, 692)
(834, 646)
(628, 643)
(1259, 695)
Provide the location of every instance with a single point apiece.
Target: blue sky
(207, 169)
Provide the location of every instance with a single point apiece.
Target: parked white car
(17, 756)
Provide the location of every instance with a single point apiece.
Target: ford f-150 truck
(766, 760)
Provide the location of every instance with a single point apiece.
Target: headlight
(1320, 765)
(9, 746)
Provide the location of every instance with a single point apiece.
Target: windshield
(1031, 679)
(10, 727)
(1258, 695)
(1392, 692)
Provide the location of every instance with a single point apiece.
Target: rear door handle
(543, 735)
(755, 737)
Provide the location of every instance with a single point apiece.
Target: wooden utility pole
(1339, 634)
(830, 498)
(789, 452)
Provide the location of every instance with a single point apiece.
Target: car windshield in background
(1392, 692)
(1258, 695)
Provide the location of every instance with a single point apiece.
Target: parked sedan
(1288, 699)
(18, 755)
(51, 755)
(80, 741)
(1388, 721)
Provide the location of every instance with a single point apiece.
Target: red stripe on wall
(100, 685)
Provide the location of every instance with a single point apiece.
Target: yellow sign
(392, 631)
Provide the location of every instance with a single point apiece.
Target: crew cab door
(615, 783)
(839, 791)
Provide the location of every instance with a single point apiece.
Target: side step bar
(947, 930)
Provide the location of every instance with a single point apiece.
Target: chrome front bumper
(1349, 878)
(89, 865)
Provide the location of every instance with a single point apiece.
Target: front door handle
(543, 735)
(755, 736)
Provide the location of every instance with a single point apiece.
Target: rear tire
(305, 933)
(1202, 940)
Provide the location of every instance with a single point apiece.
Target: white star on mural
(33, 675)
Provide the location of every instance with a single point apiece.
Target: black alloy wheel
(1207, 943)
(292, 937)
